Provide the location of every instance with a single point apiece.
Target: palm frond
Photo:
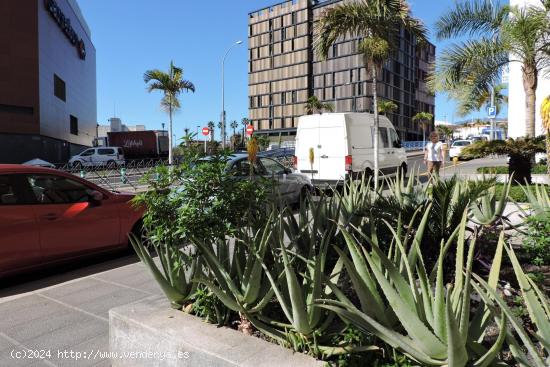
(471, 18)
(474, 63)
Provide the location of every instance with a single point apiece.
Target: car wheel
(111, 165)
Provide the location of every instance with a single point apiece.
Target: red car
(48, 216)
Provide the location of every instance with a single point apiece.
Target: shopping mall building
(47, 81)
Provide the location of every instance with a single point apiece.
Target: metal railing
(116, 177)
(413, 145)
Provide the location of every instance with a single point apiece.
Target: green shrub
(517, 192)
(537, 242)
(499, 170)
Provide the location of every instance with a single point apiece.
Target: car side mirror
(397, 144)
(96, 197)
(287, 171)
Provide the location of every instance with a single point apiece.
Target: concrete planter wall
(150, 333)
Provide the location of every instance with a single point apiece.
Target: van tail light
(295, 162)
(349, 161)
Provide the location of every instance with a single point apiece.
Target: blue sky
(132, 36)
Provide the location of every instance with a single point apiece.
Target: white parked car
(111, 157)
(342, 147)
(456, 148)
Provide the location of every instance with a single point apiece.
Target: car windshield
(461, 143)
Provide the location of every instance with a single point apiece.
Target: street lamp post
(223, 91)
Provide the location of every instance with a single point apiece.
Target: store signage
(65, 25)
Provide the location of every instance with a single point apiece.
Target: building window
(334, 50)
(294, 19)
(293, 96)
(283, 98)
(283, 34)
(59, 88)
(74, 125)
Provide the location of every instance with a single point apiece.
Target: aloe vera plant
(420, 318)
(538, 306)
(178, 269)
(539, 199)
(298, 280)
(489, 209)
(233, 271)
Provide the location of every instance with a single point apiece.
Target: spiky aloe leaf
(370, 325)
(488, 294)
(176, 297)
(370, 302)
(426, 341)
(488, 358)
(534, 304)
(439, 301)
(456, 348)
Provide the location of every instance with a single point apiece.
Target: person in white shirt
(434, 155)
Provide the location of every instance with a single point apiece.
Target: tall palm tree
(378, 24)
(211, 126)
(424, 119)
(386, 106)
(313, 106)
(545, 114)
(245, 122)
(234, 125)
(496, 36)
(171, 84)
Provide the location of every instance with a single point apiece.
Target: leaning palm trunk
(376, 125)
(530, 82)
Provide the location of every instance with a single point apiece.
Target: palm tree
(378, 24)
(313, 106)
(497, 35)
(468, 103)
(234, 125)
(386, 106)
(245, 122)
(445, 131)
(211, 126)
(424, 119)
(545, 114)
(171, 84)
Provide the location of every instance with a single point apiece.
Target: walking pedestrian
(434, 155)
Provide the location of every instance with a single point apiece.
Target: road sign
(249, 130)
(492, 112)
(205, 131)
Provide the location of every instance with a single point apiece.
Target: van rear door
(308, 138)
(332, 151)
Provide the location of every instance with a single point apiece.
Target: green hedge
(537, 169)
(516, 192)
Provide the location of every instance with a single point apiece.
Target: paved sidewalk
(71, 315)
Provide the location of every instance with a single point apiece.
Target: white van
(111, 157)
(342, 146)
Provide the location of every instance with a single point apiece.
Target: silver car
(291, 186)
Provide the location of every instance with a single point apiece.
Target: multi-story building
(47, 81)
(285, 70)
(116, 125)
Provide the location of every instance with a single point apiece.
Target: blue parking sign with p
(492, 112)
